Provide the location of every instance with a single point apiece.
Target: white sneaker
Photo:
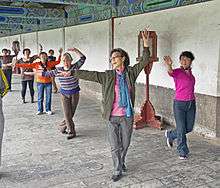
(49, 113)
(183, 157)
(39, 113)
(169, 141)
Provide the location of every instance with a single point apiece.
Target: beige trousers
(69, 104)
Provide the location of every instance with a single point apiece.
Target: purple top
(68, 85)
(184, 84)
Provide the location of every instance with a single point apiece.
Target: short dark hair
(187, 54)
(51, 51)
(123, 54)
(26, 49)
(43, 53)
(4, 49)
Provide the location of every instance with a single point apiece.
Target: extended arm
(26, 65)
(81, 61)
(54, 63)
(138, 67)
(94, 76)
(168, 61)
(51, 73)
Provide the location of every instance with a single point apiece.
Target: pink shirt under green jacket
(116, 109)
(184, 84)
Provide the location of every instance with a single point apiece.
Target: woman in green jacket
(118, 92)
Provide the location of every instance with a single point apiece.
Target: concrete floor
(37, 155)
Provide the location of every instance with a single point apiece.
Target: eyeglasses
(184, 58)
(114, 57)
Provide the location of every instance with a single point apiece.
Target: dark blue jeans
(184, 114)
(48, 89)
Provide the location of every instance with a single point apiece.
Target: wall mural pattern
(132, 7)
(18, 18)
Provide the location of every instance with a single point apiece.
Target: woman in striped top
(69, 89)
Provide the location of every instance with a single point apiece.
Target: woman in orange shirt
(43, 83)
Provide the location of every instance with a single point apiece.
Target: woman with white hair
(69, 89)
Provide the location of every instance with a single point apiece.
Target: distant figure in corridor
(69, 89)
(27, 75)
(9, 52)
(7, 65)
(51, 57)
(184, 105)
(4, 87)
(43, 83)
(118, 91)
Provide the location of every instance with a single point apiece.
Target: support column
(63, 38)
(21, 42)
(37, 42)
(111, 36)
(218, 98)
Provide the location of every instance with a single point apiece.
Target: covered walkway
(36, 155)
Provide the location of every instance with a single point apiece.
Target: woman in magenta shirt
(184, 105)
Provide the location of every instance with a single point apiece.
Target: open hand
(72, 49)
(168, 60)
(60, 50)
(145, 36)
(14, 62)
(64, 74)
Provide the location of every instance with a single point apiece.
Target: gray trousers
(119, 135)
(1, 127)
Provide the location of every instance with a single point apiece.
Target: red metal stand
(147, 115)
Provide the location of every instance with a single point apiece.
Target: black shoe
(124, 168)
(71, 136)
(23, 101)
(32, 100)
(116, 177)
(63, 130)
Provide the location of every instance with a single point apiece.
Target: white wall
(6, 42)
(195, 28)
(93, 40)
(218, 82)
(29, 40)
(51, 39)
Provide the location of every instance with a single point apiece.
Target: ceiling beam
(63, 2)
(31, 12)
(13, 29)
(20, 16)
(29, 21)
